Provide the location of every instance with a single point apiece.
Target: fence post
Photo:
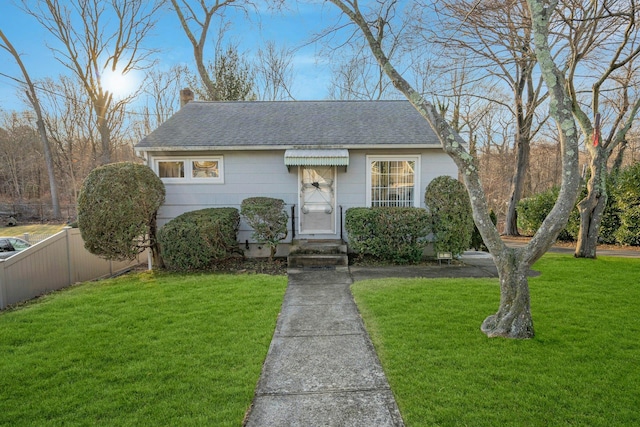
(70, 263)
(3, 287)
(25, 236)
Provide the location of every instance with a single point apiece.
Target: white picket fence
(54, 263)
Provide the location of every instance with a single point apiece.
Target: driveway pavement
(607, 250)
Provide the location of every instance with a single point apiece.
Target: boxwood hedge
(196, 240)
(388, 233)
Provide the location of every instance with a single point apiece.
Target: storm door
(317, 200)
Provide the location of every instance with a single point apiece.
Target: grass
(581, 369)
(144, 349)
(19, 230)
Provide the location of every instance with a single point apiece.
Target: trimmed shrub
(451, 218)
(572, 229)
(611, 216)
(533, 210)
(628, 202)
(117, 208)
(268, 219)
(196, 240)
(388, 233)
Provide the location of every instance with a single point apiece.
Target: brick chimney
(186, 95)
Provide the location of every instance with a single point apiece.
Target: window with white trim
(393, 181)
(200, 169)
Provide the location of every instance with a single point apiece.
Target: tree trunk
(590, 219)
(592, 207)
(53, 187)
(617, 163)
(204, 76)
(105, 139)
(33, 99)
(511, 220)
(513, 319)
(522, 165)
(156, 256)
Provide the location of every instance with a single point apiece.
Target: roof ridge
(302, 101)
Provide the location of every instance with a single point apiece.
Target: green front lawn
(19, 230)
(144, 349)
(582, 368)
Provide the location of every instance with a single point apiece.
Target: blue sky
(292, 28)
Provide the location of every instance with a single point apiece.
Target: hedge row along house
(320, 157)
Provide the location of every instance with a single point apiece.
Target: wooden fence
(54, 263)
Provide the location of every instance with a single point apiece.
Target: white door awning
(319, 157)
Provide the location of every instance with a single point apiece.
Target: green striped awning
(319, 157)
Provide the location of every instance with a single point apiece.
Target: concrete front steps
(317, 253)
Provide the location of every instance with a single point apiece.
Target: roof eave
(283, 147)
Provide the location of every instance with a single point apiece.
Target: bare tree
(453, 95)
(494, 38)
(513, 318)
(32, 96)
(72, 131)
(162, 89)
(195, 17)
(355, 74)
(274, 73)
(359, 78)
(20, 157)
(603, 39)
(96, 37)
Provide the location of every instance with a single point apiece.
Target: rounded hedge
(117, 208)
(196, 240)
(628, 202)
(451, 217)
(533, 210)
(389, 233)
(268, 219)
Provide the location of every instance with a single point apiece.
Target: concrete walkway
(321, 369)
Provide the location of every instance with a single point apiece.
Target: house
(320, 157)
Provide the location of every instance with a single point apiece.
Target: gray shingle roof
(289, 124)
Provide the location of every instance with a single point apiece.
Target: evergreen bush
(196, 240)
(476, 239)
(628, 202)
(533, 210)
(268, 219)
(451, 217)
(392, 234)
(117, 208)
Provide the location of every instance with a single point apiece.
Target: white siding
(247, 174)
(263, 173)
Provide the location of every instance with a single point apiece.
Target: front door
(317, 200)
